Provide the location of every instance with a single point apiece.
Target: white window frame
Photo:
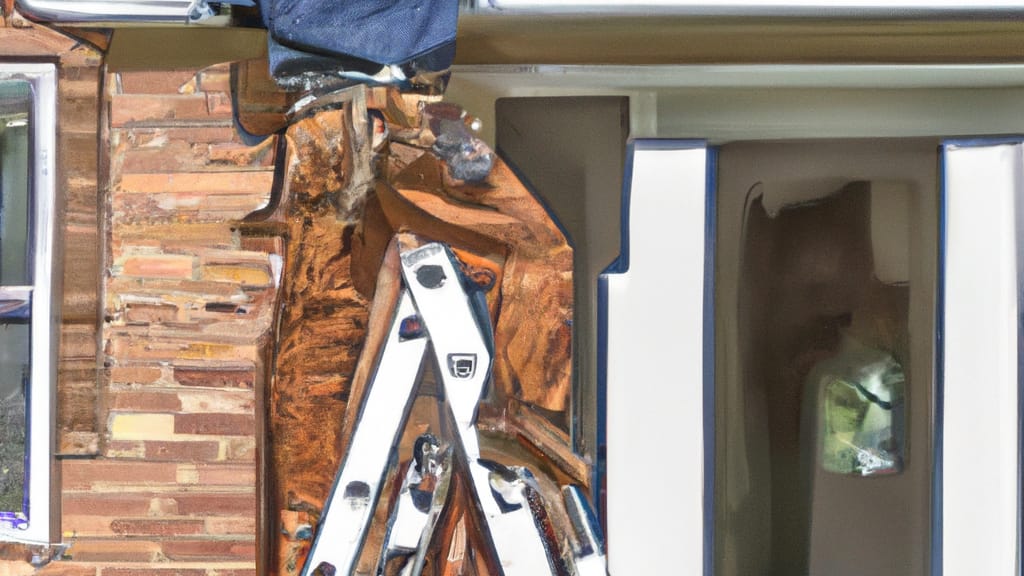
(41, 411)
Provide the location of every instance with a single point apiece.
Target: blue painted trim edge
(938, 399)
(1019, 235)
(710, 245)
(620, 265)
(600, 470)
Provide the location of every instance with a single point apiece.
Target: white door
(656, 307)
(978, 412)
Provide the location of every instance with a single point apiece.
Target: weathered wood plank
(340, 255)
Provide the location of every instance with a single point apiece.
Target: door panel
(825, 278)
(980, 385)
(656, 301)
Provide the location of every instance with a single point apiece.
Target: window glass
(15, 163)
(16, 100)
(826, 309)
(14, 379)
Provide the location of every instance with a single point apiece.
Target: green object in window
(863, 418)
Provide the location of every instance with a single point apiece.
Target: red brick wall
(187, 308)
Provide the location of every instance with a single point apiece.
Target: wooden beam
(168, 48)
(634, 39)
(622, 40)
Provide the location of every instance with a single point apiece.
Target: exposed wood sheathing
(338, 291)
(322, 321)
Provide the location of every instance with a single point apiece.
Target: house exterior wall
(170, 310)
(187, 305)
(166, 310)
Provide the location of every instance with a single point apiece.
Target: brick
(172, 156)
(79, 155)
(200, 451)
(161, 527)
(163, 506)
(136, 401)
(168, 289)
(171, 346)
(192, 504)
(138, 313)
(240, 449)
(78, 342)
(88, 474)
(154, 571)
(228, 525)
(80, 196)
(158, 209)
(206, 550)
(141, 138)
(232, 203)
(162, 82)
(223, 474)
(226, 213)
(217, 401)
(69, 71)
(218, 103)
(215, 377)
(206, 235)
(130, 109)
(237, 154)
(134, 374)
(79, 83)
(79, 372)
(225, 183)
(80, 273)
(27, 41)
(214, 424)
(266, 245)
(158, 266)
(76, 407)
(188, 474)
(125, 449)
(191, 208)
(124, 550)
(78, 444)
(247, 276)
(60, 568)
(106, 504)
(146, 426)
(87, 525)
(78, 116)
(203, 135)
